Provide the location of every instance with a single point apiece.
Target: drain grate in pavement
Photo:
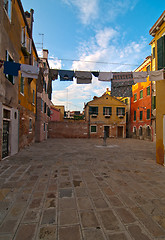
(65, 193)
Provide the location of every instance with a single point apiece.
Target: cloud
(89, 10)
(55, 63)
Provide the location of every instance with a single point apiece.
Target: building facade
(44, 90)
(27, 86)
(106, 115)
(54, 114)
(142, 122)
(158, 63)
(10, 44)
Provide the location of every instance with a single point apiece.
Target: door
(106, 129)
(5, 143)
(120, 132)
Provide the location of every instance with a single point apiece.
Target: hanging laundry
(11, 68)
(1, 63)
(156, 75)
(121, 88)
(29, 71)
(105, 76)
(53, 74)
(40, 80)
(66, 75)
(95, 74)
(122, 76)
(140, 77)
(83, 77)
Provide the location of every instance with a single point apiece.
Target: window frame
(10, 59)
(135, 97)
(148, 114)
(134, 115)
(141, 116)
(107, 111)
(148, 88)
(91, 129)
(22, 85)
(141, 93)
(8, 9)
(93, 112)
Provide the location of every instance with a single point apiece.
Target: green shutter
(117, 110)
(134, 115)
(97, 110)
(103, 110)
(110, 111)
(161, 52)
(148, 113)
(123, 111)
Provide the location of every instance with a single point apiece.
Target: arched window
(148, 131)
(134, 130)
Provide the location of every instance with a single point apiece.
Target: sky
(105, 35)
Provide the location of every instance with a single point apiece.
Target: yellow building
(106, 114)
(61, 108)
(158, 62)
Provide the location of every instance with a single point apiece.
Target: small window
(6, 114)
(134, 116)
(8, 6)
(33, 96)
(44, 107)
(23, 36)
(135, 97)
(148, 69)
(148, 113)
(93, 129)
(120, 111)
(153, 52)
(22, 85)
(141, 115)
(30, 125)
(153, 102)
(107, 110)
(141, 94)
(93, 110)
(41, 105)
(148, 90)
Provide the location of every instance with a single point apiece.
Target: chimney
(45, 53)
(30, 20)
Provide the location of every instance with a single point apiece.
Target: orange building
(142, 126)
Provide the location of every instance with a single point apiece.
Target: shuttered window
(120, 111)
(107, 110)
(93, 110)
(148, 90)
(153, 102)
(141, 115)
(161, 52)
(134, 116)
(148, 113)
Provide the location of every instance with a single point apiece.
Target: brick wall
(0, 144)
(68, 130)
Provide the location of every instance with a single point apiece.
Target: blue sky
(113, 31)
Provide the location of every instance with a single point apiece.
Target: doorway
(120, 132)
(106, 130)
(5, 142)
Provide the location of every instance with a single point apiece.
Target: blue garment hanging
(11, 68)
(66, 75)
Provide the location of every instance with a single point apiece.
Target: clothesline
(121, 82)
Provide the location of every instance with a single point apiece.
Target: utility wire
(72, 60)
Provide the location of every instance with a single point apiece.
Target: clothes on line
(156, 75)
(53, 74)
(121, 88)
(66, 75)
(29, 71)
(11, 68)
(105, 76)
(140, 77)
(83, 77)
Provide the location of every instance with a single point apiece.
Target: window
(48, 112)
(134, 130)
(107, 110)
(93, 129)
(148, 69)
(93, 110)
(148, 113)
(141, 94)
(141, 115)
(135, 97)
(148, 131)
(44, 107)
(153, 52)
(9, 58)
(41, 105)
(148, 90)
(161, 52)
(153, 102)
(33, 96)
(23, 36)
(30, 125)
(8, 6)
(134, 116)
(45, 86)
(126, 101)
(120, 111)
(22, 85)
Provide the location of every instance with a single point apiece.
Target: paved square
(79, 189)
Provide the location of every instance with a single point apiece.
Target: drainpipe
(31, 33)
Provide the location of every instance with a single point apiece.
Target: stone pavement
(77, 189)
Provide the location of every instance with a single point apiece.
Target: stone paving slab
(76, 189)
